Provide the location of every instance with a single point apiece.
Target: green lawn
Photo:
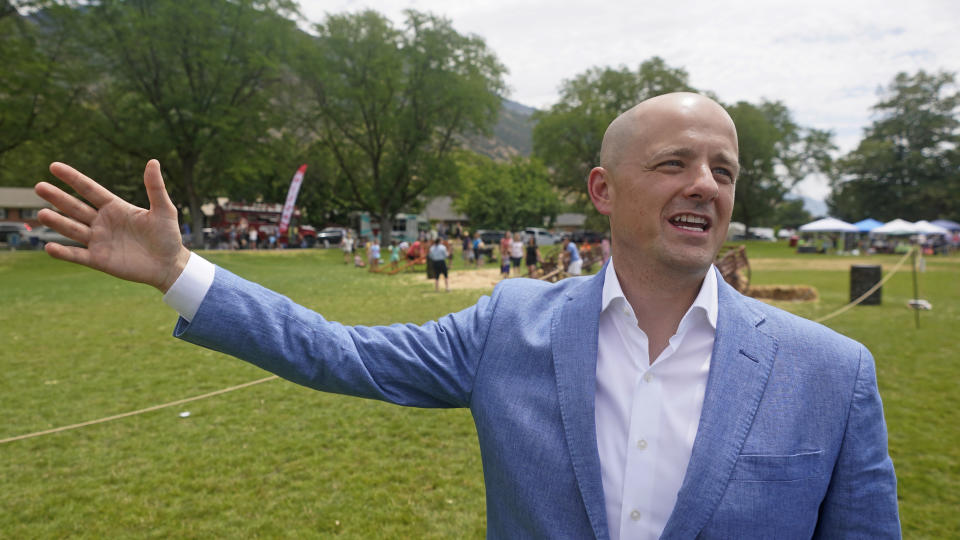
(280, 460)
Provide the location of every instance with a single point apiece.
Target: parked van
(543, 236)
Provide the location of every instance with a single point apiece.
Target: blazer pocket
(778, 468)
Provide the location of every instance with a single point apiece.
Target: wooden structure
(552, 270)
(734, 267)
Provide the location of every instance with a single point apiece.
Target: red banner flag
(291, 198)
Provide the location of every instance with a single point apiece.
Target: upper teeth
(696, 220)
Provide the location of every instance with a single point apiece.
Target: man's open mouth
(690, 222)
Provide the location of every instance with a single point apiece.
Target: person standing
(346, 244)
(467, 249)
(478, 248)
(438, 260)
(505, 246)
(532, 256)
(516, 253)
(394, 256)
(375, 255)
(572, 256)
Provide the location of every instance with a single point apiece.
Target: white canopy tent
(829, 224)
(925, 227)
(897, 227)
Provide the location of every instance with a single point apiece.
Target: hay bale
(784, 293)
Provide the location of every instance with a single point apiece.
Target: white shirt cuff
(187, 292)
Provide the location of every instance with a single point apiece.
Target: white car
(44, 234)
(543, 236)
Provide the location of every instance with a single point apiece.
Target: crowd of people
(244, 236)
(516, 253)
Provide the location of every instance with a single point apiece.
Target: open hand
(122, 240)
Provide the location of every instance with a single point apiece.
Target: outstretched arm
(122, 240)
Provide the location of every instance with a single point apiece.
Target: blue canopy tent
(867, 225)
(951, 226)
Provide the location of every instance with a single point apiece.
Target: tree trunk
(194, 203)
(386, 229)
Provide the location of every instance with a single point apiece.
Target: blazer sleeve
(861, 500)
(429, 365)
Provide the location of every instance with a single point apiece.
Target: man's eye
(723, 171)
(672, 163)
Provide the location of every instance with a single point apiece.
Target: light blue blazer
(791, 442)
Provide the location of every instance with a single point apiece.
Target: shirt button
(636, 515)
(642, 444)
(647, 377)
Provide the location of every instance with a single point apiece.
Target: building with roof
(21, 204)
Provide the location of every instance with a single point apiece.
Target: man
(648, 400)
(438, 260)
(572, 256)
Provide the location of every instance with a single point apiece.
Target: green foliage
(506, 196)
(389, 104)
(40, 81)
(189, 83)
(567, 137)
(775, 154)
(791, 214)
(907, 165)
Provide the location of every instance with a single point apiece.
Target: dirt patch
(485, 278)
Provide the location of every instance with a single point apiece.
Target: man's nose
(703, 186)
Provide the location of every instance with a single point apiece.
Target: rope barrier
(870, 291)
(141, 411)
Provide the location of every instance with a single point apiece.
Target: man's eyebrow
(729, 161)
(677, 151)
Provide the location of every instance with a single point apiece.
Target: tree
(191, 83)
(39, 85)
(506, 196)
(390, 105)
(907, 165)
(791, 214)
(567, 137)
(775, 154)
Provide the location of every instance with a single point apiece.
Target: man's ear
(600, 190)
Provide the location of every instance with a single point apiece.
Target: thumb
(156, 192)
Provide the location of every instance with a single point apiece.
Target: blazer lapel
(574, 331)
(742, 359)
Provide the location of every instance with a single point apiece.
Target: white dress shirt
(647, 415)
(187, 292)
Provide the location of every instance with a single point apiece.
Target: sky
(825, 60)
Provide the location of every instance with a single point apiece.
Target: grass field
(279, 460)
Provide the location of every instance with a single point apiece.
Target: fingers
(68, 204)
(156, 192)
(68, 253)
(87, 188)
(65, 226)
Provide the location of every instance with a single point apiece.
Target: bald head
(640, 123)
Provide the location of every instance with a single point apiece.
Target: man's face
(669, 190)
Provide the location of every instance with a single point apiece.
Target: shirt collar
(706, 300)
